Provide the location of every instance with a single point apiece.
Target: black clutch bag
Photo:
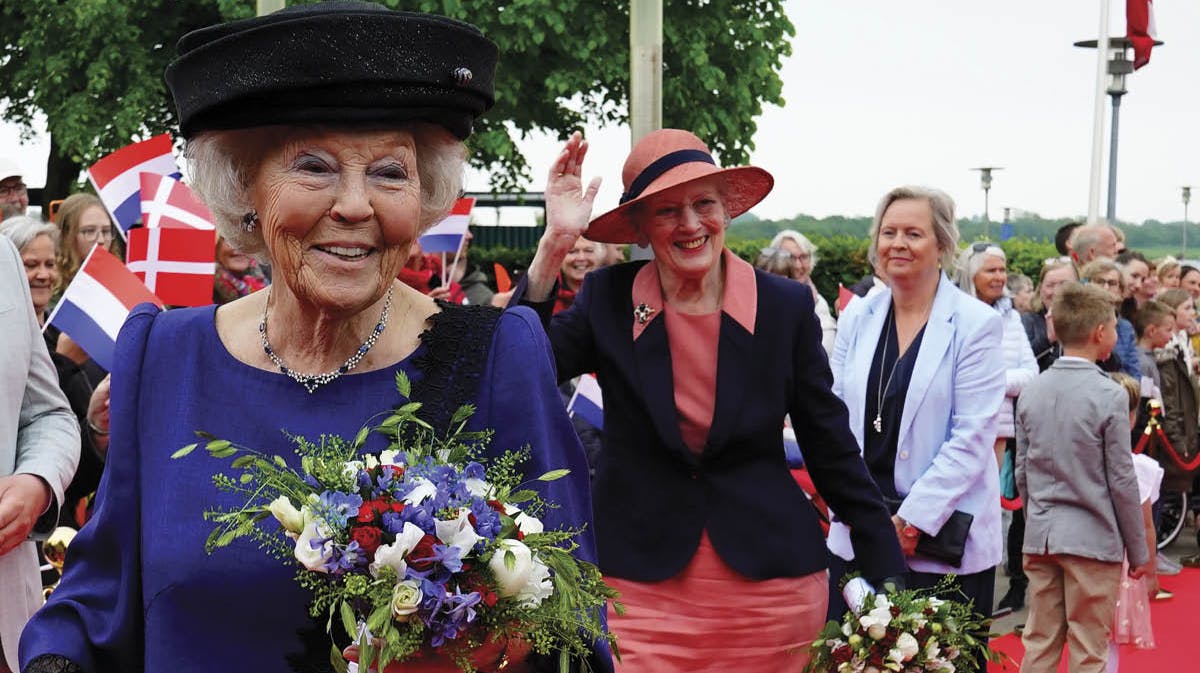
(950, 542)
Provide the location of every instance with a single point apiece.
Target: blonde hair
(945, 229)
(1097, 267)
(222, 166)
(1078, 309)
(69, 214)
(1174, 297)
(1165, 266)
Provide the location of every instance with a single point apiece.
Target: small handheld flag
(175, 263)
(447, 236)
(117, 177)
(167, 202)
(96, 303)
(587, 402)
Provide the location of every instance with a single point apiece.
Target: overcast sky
(885, 92)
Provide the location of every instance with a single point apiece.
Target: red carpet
(1174, 632)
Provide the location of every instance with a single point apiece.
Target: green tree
(94, 68)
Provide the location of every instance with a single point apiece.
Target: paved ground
(1184, 545)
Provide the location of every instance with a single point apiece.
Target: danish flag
(176, 263)
(167, 202)
(117, 177)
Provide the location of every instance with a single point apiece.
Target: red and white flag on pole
(1139, 22)
(167, 202)
(177, 264)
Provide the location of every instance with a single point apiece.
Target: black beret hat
(333, 63)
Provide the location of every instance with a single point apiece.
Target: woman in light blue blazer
(921, 368)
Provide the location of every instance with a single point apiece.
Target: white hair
(970, 260)
(222, 166)
(945, 228)
(22, 230)
(800, 240)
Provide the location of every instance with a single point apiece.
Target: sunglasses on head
(1057, 260)
(776, 252)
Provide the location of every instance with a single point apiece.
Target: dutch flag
(117, 177)
(587, 402)
(96, 303)
(447, 235)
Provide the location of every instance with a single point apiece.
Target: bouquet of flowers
(905, 632)
(425, 545)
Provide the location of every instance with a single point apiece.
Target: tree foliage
(95, 69)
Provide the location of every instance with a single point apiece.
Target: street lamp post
(1187, 196)
(1119, 66)
(985, 181)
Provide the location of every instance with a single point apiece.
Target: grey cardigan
(1074, 466)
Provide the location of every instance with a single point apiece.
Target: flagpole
(1098, 115)
(453, 266)
(444, 270)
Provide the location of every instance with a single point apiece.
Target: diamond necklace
(313, 381)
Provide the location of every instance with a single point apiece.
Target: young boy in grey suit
(1075, 472)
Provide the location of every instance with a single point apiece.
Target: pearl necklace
(313, 381)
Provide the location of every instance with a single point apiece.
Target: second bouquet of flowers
(424, 546)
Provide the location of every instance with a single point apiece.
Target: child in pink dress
(1131, 622)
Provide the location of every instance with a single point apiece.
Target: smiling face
(991, 279)
(1190, 281)
(801, 260)
(906, 244)
(685, 226)
(338, 212)
(584, 257)
(231, 260)
(41, 271)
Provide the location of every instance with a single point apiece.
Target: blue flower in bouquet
(487, 519)
(337, 507)
(347, 559)
(457, 610)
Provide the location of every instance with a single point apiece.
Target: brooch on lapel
(643, 312)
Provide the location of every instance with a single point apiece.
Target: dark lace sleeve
(457, 344)
(52, 663)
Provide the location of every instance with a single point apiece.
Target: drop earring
(250, 221)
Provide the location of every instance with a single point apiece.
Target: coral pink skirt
(710, 618)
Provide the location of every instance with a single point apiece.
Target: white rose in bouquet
(392, 555)
(528, 524)
(538, 587)
(287, 515)
(406, 598)
(314, 558)
(391, 457)
(512, 579)
(458, 532)
(908, 646)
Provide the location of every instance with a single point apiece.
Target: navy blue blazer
(653, 497)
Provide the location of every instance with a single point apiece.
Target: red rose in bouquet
(368, 538)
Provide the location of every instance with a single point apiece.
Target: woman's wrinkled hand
(568, 204)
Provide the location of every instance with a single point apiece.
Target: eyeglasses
(1106, 282)
(91, 234)
(12, 190)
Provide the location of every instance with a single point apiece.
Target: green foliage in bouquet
(419, 547)
(910, 631)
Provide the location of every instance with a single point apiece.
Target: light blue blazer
(944, 457)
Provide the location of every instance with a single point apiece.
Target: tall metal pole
(645, 78)
(267, 6)
(1098, 116)
(1112, 159)
(1187, 196)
